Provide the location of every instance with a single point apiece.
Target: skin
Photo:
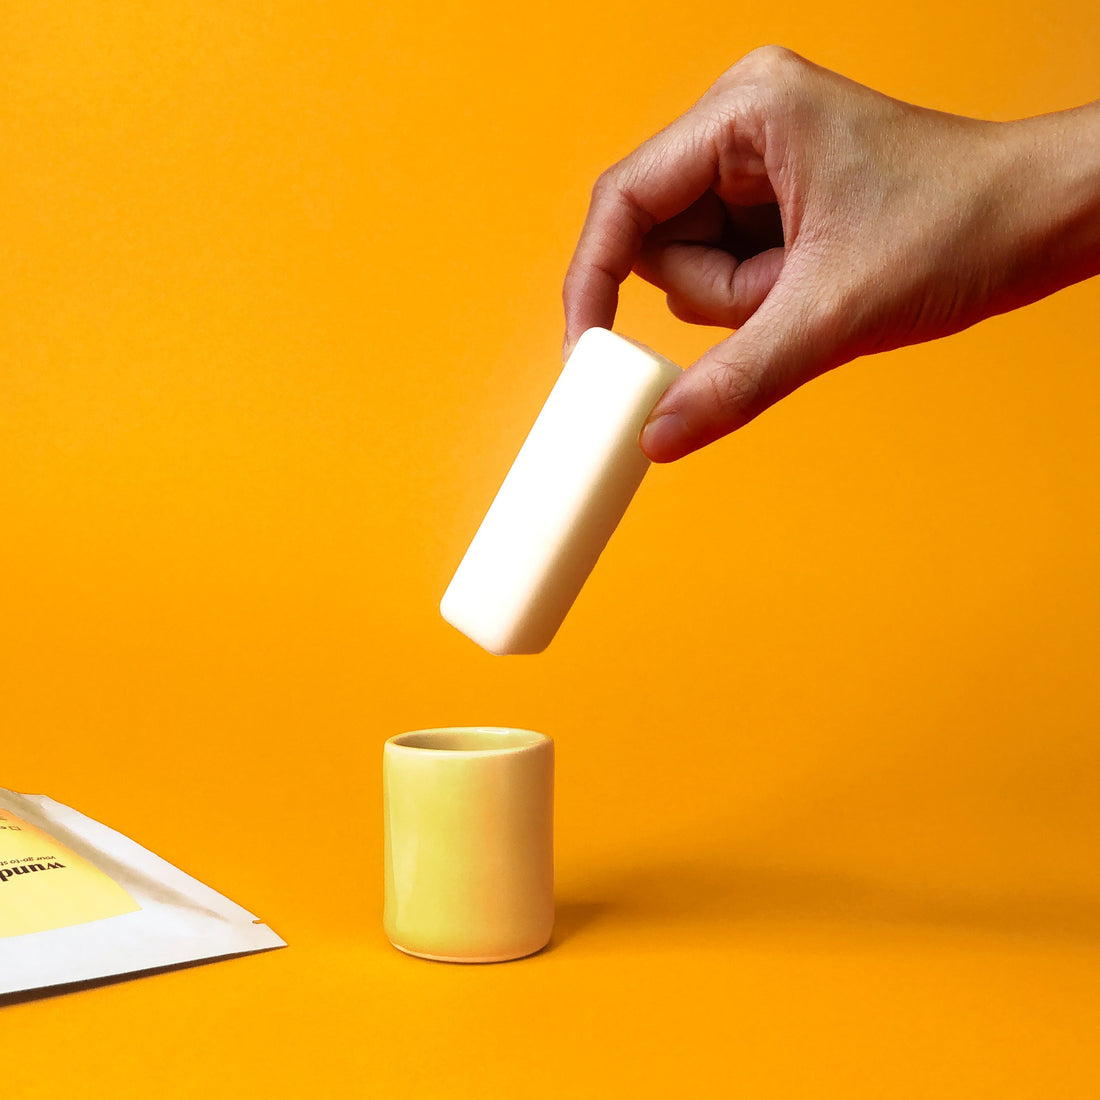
(823, 221)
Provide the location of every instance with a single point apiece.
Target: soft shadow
(708, 894)
(570, 917)
(46, 992)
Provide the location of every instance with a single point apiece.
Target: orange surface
(279, 303)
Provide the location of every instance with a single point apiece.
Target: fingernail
(663, 438)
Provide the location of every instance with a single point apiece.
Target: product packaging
(79, 901)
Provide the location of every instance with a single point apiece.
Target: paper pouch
(80, 901)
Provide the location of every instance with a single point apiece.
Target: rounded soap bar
(563, 497)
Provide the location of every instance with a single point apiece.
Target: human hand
(823, 220)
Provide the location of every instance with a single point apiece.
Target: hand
(823, 221)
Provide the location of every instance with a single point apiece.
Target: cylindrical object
(563, 497)
(469, 824)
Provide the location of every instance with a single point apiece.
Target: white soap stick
(563, 497)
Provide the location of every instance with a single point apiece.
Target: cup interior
(479, 739)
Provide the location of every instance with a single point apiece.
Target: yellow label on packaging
(45, 885)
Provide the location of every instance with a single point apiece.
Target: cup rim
(514, 740)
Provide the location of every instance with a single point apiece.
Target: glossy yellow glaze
(469, 843)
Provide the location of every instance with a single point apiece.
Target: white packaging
(79, 901)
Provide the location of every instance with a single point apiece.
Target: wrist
(1050, 181)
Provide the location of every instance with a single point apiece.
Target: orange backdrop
(279, 301)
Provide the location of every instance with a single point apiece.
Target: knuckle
(607, 184)
(768, 71)
(771, 61)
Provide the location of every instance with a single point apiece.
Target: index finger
(661, 178)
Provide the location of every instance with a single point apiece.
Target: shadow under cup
(469, 819)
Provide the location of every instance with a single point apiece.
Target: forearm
(1051, 223)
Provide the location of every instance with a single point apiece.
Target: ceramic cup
(469, 843)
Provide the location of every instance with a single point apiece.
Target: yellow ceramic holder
(469, 843)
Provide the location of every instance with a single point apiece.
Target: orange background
(279, 301)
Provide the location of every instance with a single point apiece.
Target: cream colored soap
(563, 497)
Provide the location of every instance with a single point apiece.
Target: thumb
(771, 355)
